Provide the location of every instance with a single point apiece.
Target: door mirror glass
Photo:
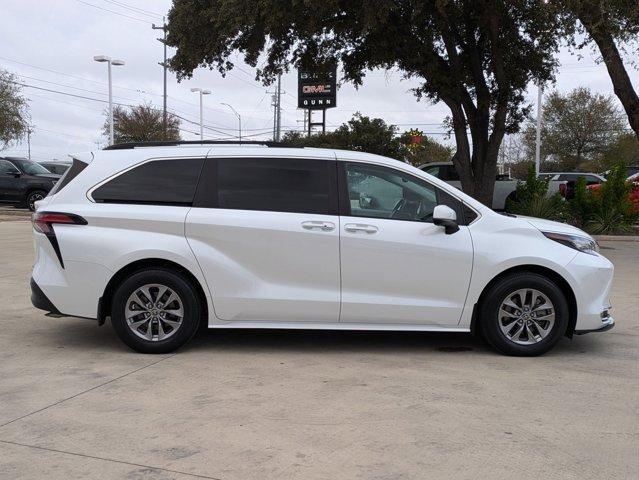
(446, 217)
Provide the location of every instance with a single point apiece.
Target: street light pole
(239, 119)
(201, 92)
(109, 62)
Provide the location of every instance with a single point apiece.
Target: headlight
(583, 244)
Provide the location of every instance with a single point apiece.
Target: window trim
(206, 194)
(89, 193)
(344, 201)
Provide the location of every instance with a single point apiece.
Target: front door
(397, 266)
(265, 232)
(9, 181)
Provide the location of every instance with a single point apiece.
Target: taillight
(43, 222)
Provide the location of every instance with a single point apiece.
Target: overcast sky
(50, 44)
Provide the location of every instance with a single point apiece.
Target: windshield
(30, 167)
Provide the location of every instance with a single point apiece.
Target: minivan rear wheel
(524, 314)
(155, 311)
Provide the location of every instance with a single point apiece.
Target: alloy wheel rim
(34, 198)
(526, 316)
(154, 312)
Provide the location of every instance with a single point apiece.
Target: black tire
(186, 294)
(32, 197)
(489, 311)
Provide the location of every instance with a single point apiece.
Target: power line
(112, 11)
(134, 9)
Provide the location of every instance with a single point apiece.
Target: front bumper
(608, 325)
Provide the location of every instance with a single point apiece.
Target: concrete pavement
(76, 403)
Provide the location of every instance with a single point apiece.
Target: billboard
(317, 92)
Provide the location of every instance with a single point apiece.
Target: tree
(421, 149)
(14, 110)
(624, 151)
(578, 129)
(142, 123)
(476, 56)
(360, 133)
(609, 24)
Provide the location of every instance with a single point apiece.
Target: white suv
(161, 238)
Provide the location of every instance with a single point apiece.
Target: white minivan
(159, 238)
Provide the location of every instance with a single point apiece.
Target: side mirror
(16, 174)
(446, 217)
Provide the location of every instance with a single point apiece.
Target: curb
(616, 238)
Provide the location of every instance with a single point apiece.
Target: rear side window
(158, 182)
(274, 184)
(72, 172)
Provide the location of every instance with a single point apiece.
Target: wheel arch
(552, 275)
(104, 303)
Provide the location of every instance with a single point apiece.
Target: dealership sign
(317, 92)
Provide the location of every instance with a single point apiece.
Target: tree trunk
(624, 90)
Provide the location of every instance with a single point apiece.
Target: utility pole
(540, 93)
(279, 108)
(164, 66)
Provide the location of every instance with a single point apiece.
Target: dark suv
(24, 182)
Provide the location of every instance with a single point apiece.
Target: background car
(23, 182)
(568, 192)
(56, 167)
(634, 193)
(505, 187)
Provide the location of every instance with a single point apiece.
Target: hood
(555, 227)
(50, 176)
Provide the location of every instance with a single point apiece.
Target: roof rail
(129, 145)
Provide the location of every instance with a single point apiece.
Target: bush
(532, 199)
(607, 209)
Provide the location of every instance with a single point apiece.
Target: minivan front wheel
(524, 314)
(155, 311)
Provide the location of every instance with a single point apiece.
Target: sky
(50, 44)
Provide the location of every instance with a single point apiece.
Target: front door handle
(319, 225)
(360, 227)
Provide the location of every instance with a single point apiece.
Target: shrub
(607, 209)
(532, 199)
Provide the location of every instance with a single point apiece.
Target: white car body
(264, 269)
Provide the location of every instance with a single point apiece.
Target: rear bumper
(40, 300)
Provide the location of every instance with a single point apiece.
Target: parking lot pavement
(76, 403)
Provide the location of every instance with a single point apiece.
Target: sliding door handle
(319, 225)
(360, 228)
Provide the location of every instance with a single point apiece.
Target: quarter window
(274, 184)
(7, 168)
(159, 182)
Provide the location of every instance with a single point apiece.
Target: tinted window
(7, 168)
(159, 182)
(434, 170)
(272, 184)
(451, 173)
(30, 167)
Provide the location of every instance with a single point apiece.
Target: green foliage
(14, 110)
(372, 135)
(360, 133)
(532, 199)
(142, 123)
(578, 129)
(607, 209)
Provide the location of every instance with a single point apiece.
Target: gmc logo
(315, 89)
